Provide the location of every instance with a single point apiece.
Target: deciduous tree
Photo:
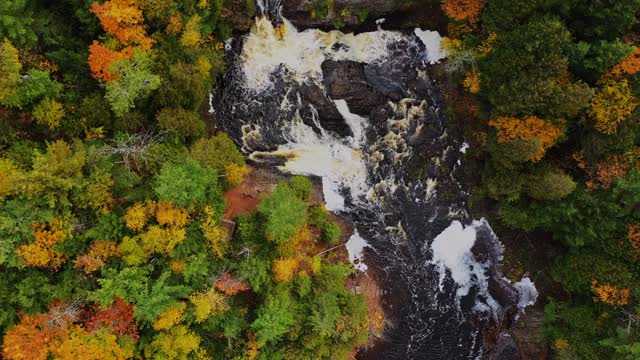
(284, 211)
(49, 113)
(463, 9)
(41, 252)
(178, 343)
(229, 285)
(134, 81)
(117, 318)
(612, 105)
(9, 70)
(529, 128)
(123, 19)
(208, 303)
(101, 60)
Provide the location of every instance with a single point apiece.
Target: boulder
(346, 80)
(328, 114)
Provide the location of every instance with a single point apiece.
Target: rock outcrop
(346, 80)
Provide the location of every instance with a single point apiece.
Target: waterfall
(396, 170)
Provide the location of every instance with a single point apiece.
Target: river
(362, 113)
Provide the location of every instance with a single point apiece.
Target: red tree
(230, 285)
(117, 318)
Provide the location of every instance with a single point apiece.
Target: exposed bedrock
(346, 80)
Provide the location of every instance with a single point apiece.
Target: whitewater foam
(452, 251)
(269, 47)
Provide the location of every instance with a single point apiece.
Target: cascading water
(387, 156)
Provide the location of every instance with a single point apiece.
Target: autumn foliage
(532, 127)
(170, 317)
(101, 58)
(230, 285)
(207, 304)
(609, 294)
(630, 65)
(98, 253)
(607, 171)
(284, 269)
(41, 253)
(117, 319)
(633, 236)
(123, 19)
(463, 9)
(55, 335)
(30, 339)
(613, 103)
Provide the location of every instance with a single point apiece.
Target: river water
(389, 159)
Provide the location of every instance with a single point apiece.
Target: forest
(553, 88)
(113, 243)
(111, 198)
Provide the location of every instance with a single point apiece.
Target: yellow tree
(284, 269)
(10, 177)
(613, 104)
(214, 233)
(80, 344)
(9, 69)
(207, 304)
(191, 36)
(178, 343)
(40, 253)
(529, 128)
(49, 113)
(170, 317)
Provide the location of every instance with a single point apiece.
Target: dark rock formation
(346, 80)
(504, 349)
(328, 113)
(347, 12)
(360, 15)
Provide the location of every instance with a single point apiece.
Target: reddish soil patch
(246, 196)
(239, 200)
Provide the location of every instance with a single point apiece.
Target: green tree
(604, 19)
(184, 87)
(526, 73)
(275, 316)
(183, 124)
(590, 61)
(302, 186)
(134, 82)
(134, 285)
(216, 152)
(34, 86)
(16, 21)
(57, 173)
(284, 212)
(551, 184)
(187, 184)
